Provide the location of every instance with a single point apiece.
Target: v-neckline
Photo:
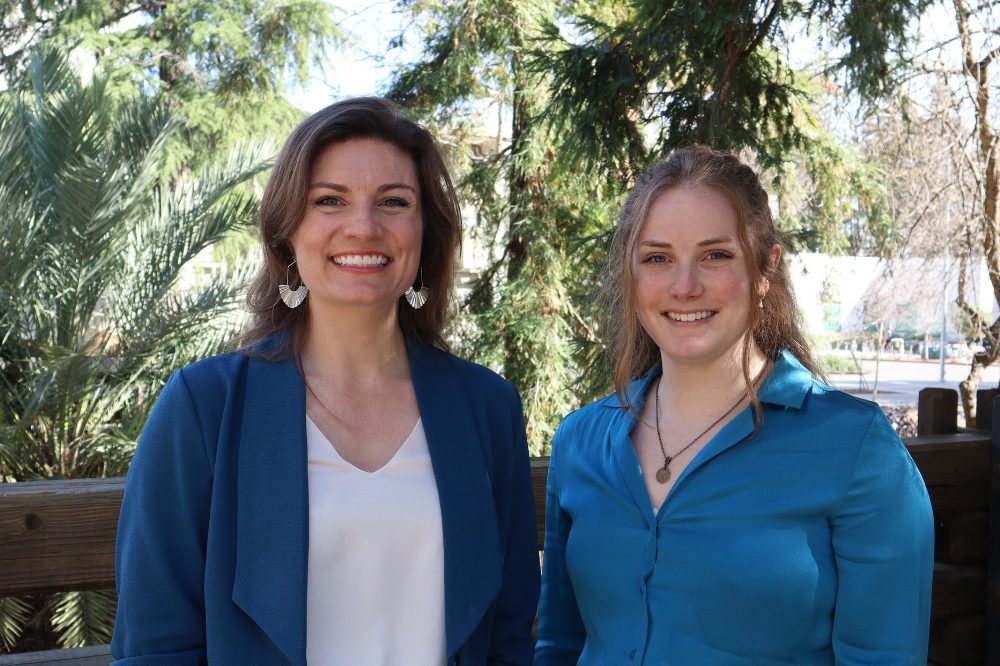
(311, 425)
(739, 427)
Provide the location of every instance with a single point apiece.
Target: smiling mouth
(689, 316)
(361, 260)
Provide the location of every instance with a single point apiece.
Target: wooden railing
(59, 536)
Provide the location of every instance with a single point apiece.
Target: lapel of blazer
(273, 504)
(472, 559)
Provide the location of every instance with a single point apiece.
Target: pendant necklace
(663, 474)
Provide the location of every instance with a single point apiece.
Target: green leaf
(84, 618)
(14, 615)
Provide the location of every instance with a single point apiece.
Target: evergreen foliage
(529, 312)
(705, 73)
(222, 66)
(710, 73)
(588, 94)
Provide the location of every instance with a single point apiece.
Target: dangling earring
(761, 303)
(417, 298)
(293, 298)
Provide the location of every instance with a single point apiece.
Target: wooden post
(993, 566)
(539, 477)
(984, 408)
(937, 411)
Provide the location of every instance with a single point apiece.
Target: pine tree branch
(763, 29)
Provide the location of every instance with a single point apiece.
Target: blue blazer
(213, 534)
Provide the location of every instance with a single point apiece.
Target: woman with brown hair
(341, 489)
(724, 505)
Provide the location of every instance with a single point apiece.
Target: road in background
(899, 381)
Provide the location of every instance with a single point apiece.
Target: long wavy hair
(284, 204)
(772, 328)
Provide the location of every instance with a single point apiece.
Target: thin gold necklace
(663, 474)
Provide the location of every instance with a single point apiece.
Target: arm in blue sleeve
(511, 642)
(162, 533)
(561, 633)
(883, 542)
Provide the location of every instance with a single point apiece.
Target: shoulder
(600, 411)
(223, 372)
(477, 379)
(206, 385)
(800, 402)
(199, 391)
(214, 371)
(212, 386)
(840, 427)
(833, 405)
(588, 423)
(879, 474)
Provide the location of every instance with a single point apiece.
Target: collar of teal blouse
(786, 385)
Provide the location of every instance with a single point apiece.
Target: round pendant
(663, 474)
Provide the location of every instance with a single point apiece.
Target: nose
(684, 282)
(364, 223)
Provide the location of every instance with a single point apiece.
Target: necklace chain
(663, 474)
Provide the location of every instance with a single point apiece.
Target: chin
(356, 300)
(705, 354)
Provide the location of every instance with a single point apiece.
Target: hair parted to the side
(772, 328)
(284, 204)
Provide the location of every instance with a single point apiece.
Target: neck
(698, 386)
(357, 343)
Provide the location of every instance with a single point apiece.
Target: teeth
(690, 316)
(361, 260)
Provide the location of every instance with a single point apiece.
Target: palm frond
(84, 618)
(14, 615)
(100, 300)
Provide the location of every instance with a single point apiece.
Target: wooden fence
(60, 535)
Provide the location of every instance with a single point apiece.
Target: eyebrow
(708, 241)
(382, 188)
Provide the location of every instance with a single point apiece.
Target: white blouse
(375, 592)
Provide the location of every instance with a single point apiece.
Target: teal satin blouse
(809, 542)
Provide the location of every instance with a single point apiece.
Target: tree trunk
(967, 389)
(978, 71)
(526, 198)
(878, 357)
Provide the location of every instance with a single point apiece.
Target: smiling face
(692, 285)
(359, 241)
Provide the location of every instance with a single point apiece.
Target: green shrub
(834, 364)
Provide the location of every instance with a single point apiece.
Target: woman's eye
(719, 255)
(396, 202)
(329, 201)
(655, 259)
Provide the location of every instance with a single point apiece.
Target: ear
(774, 256)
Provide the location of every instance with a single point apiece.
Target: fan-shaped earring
(417, 298)
(293, 298)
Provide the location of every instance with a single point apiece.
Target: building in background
(844, 296)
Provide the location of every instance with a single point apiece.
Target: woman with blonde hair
(341, 489)
(724, 505)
